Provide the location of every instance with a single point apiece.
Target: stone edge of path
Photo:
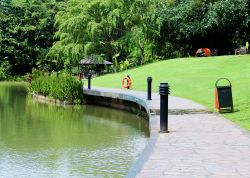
(144, 156)
(120, 96)
(148, 105)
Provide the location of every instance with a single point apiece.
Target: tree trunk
(142, 53)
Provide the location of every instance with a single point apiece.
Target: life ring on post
(126, 82)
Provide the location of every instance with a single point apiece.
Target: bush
(62, 87)
(4, 70)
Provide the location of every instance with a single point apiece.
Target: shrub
(62, 87)
(4, 70)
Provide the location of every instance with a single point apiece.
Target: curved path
(200, 144)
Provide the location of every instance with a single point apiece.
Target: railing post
(149, 80)
(164, 92)
(89, 81)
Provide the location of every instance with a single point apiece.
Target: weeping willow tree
(88, 27)
(112, 29)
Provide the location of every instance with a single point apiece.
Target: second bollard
(164, 92)
(89, 81)
(149, 80)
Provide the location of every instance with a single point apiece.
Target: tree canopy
(138, 31)
(53, 34)
(27, 29)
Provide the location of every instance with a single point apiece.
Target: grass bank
(194, 78)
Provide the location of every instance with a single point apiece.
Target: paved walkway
(198, 145)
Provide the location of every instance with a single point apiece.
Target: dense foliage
(4, 70)
(26, 33)
(218, 24)
(114, 29)
(62, 87)
(133, 32)
(55, 35)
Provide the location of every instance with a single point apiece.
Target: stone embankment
(46, 99)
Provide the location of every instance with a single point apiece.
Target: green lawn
(194, 78)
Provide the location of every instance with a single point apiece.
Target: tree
(26, 33)
(87, 27)
(143, 20)
(113, 29)
(218, 24)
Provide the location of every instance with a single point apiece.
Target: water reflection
(43, 140)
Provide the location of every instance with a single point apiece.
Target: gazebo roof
(91, 60)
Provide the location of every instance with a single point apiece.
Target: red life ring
(128, 82)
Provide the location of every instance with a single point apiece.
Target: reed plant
(62, 87)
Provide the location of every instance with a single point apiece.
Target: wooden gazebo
(92, 64)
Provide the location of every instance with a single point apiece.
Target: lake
(41, 140)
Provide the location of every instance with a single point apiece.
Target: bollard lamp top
(149, 79)
(164, 89)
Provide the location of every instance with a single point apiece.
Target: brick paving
(199, 145)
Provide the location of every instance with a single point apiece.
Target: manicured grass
(194, 78)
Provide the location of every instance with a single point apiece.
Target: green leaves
(136, 30)
(107, 28)
(26, 33)
(4, 70)
(88, 27)
(215, 24)
(62, 87)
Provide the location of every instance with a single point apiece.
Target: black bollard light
(164, 92)
(149, 80)
(89, 81)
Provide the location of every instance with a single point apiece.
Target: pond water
(40, 140)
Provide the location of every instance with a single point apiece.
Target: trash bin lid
(216, 83)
